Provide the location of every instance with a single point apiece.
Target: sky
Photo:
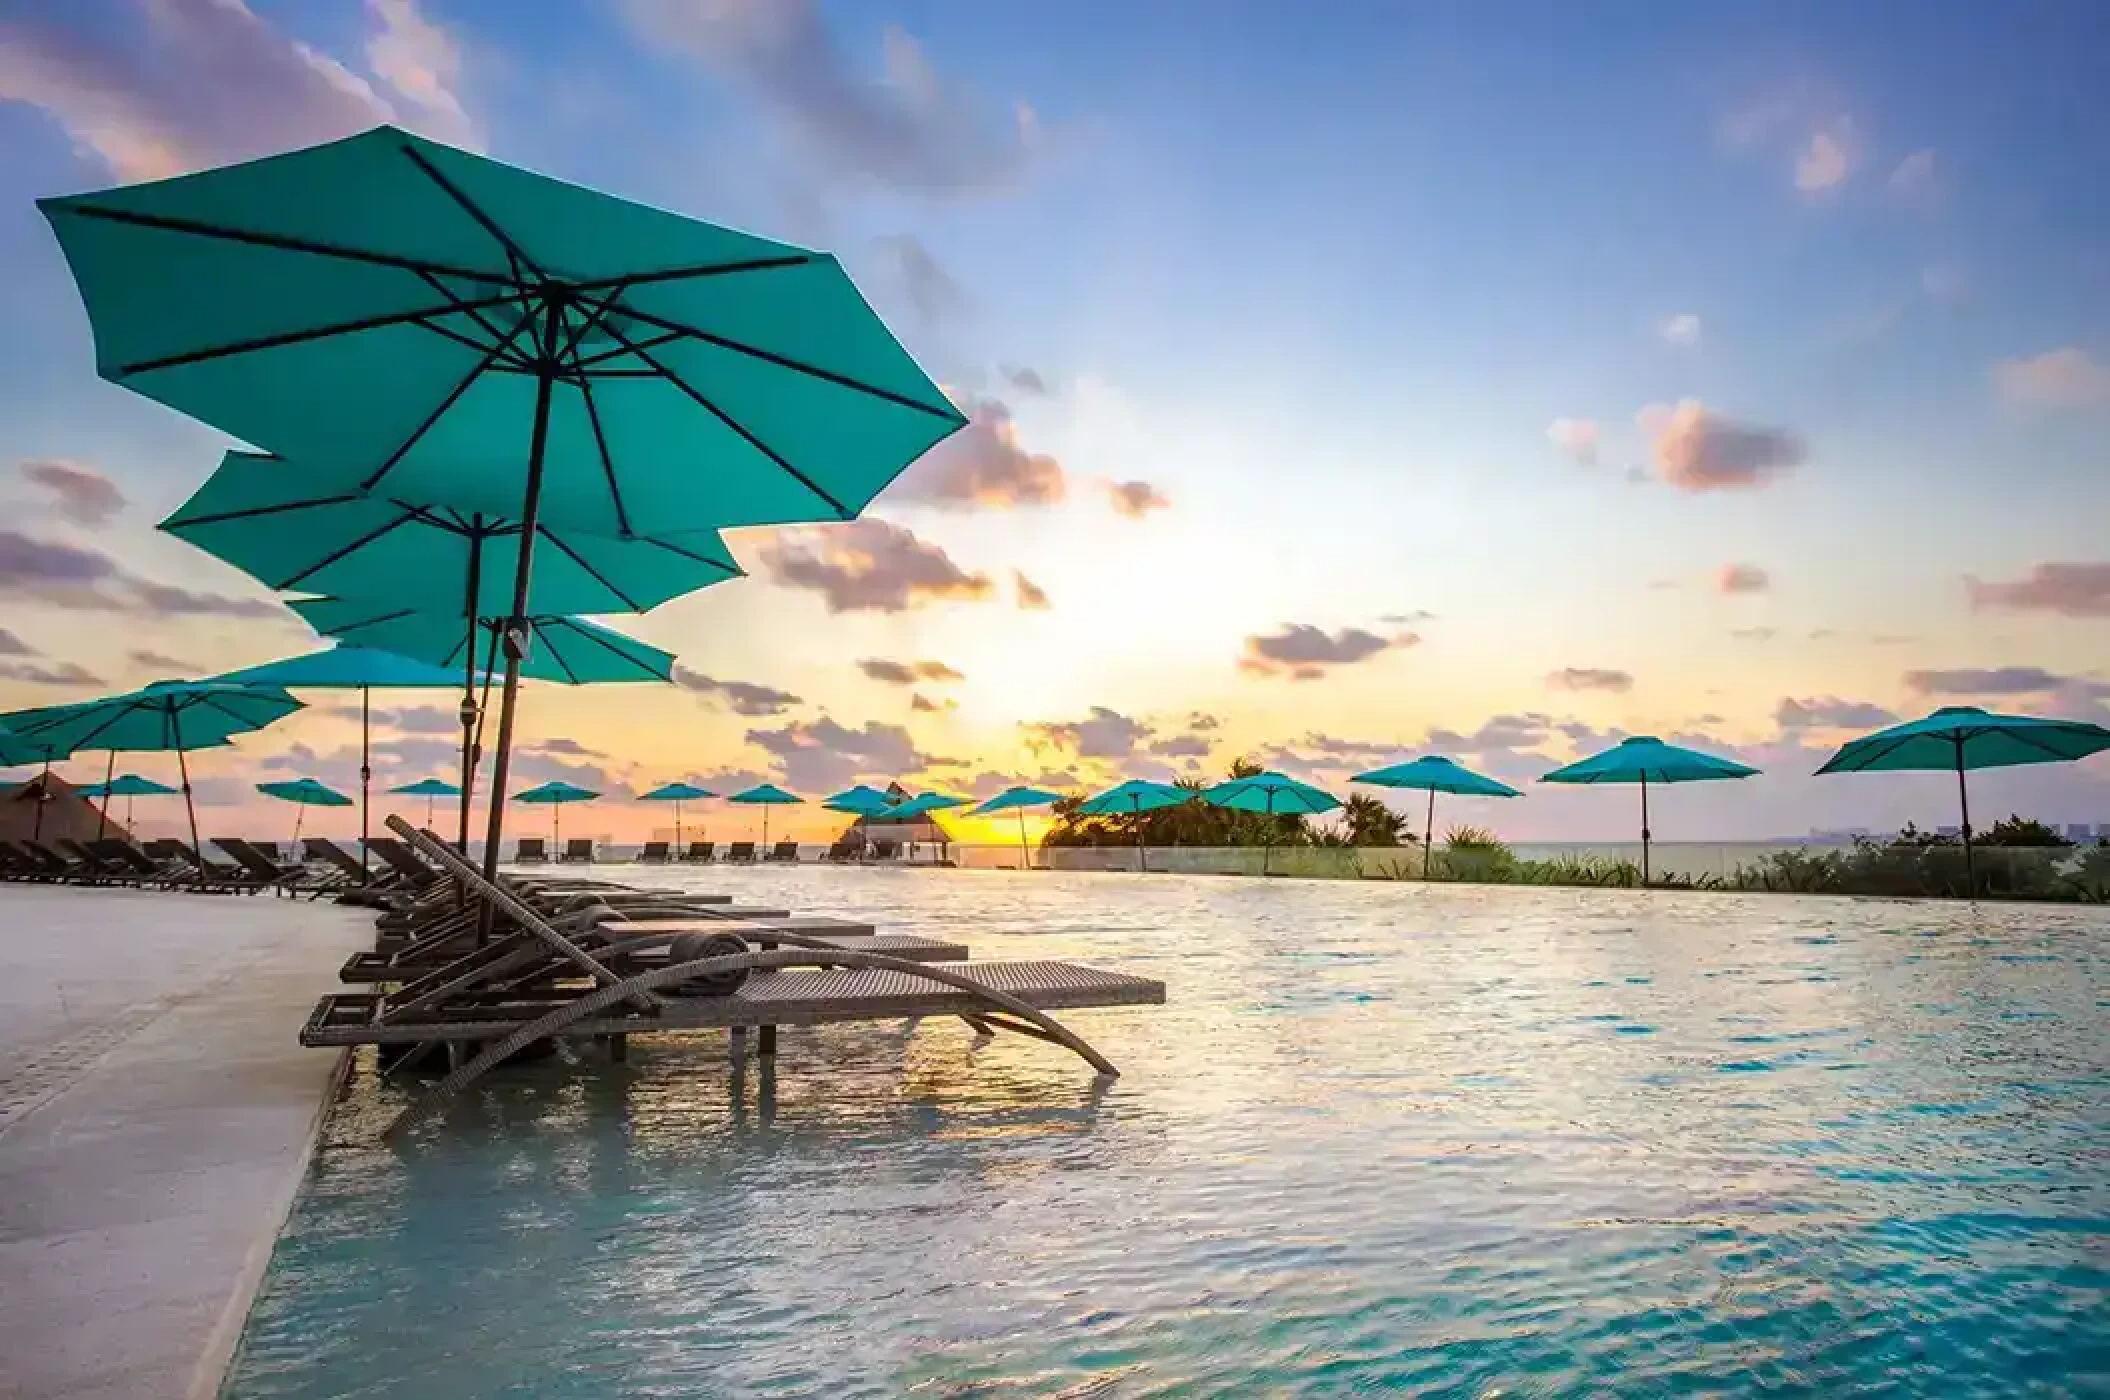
(1343, 383)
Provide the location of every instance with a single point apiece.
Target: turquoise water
(1383, 1139)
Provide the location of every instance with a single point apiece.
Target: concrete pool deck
(156, 1117)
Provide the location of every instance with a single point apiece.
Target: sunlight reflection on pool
(1383, 1138)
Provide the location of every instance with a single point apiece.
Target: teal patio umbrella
(405, 319)
(164, 716)
(570, 650)
(555, 795)
(128, 786)
(677, 793)
(920, 808)
(1434, 773)
(765, 796)
(349, 668)
(858, 801)
(1131, 799)
(1273, 795)
(428, 788)
(1018, 799)
(1963, 737)
(303, 793)
(1645, 759)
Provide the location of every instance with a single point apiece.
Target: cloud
(1827, 158)
(741, 697)
(1102, 733)
(1025, 379)
(1578, 437)
(907, 127)
(989, 782)
(1682, 329)
(1136, 499)
(11, 645)
(869, 565)
(54, 574)
(567, 748)
(1408, 619)
(83, 495)
(922, 704)
(1698, 450)
(1203, 722)
(2070, 590)
(928, 288)
(1753, 634)
(1303, 652)
(193, 83)
(1916, 176)
(1829, 712)
(48, 673)
(982, 466)
(825, 755)
(1182, 746)
(416, 719)
(161, 663)
(907, 672)
(2065, 378)
(1996, 680)
(1591, 678)
(1742, 578)
(1031, 596)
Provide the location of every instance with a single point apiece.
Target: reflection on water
(1383, 1138)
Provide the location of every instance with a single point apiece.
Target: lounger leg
(766, 1045)
(619, 1049)
(736, 1044)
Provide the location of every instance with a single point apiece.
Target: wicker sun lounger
(531, 850)
(578, 851)
(323, 850)
(196, 872)
(740, 853)
(700, 853)
(292, 878)
(653, 853)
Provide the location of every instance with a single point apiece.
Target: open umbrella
(569, 649)
(677, 793)
(1645, 759)
(1435, 773)
(920, 808)
(263, 515)
(1271, 794)
(427, 788)
(304, 793)
(859, 801)
(765, 796)
(17, 750)
(1962, 737)
(349, 668)
(127, 786)
(1133, 798)
(163, 716)
(403, 318)
(554, 795)
(1018, 799)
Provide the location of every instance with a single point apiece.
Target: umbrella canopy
(1434, 773)
(309, 792)
(765, 796)
(859, 801)
(264, 516)
(556, 791)
(1959, 738)
(1271, 793)
(163, 716)
(130, 785)
(1132, 797)
(916, 808)
(427, 787)
(567, 649)
(1645, 759)
(677, 793)
(1017, 799)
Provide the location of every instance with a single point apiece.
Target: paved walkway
(155, 1119)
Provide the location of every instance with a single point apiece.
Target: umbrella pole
(300, 811)
(1644, 830)
(530, 514)
(102, 813)
(366, 770)
(130, 830)
(36, 818)
(190, 807)
(765, 828)
(1025, 860)
(677, 828)
(1963, 800)
(1428, 835)
(469, 713)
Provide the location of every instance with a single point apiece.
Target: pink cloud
(1696, 449)
(2071, 590)
(1742, 578)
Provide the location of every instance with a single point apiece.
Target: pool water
(1383, 1139)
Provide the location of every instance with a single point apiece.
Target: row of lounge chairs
(325, 868)
(706, 852)
(466, 974)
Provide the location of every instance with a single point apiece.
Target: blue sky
(1706, 353)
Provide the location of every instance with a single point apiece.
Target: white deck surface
(155, 1119)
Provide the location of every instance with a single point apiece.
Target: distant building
(2079, 831)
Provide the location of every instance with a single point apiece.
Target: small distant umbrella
(1133, 798)
(1273, 795)
(1962, 737)
(1435, 773)
(1645, 759)
(158, 718)
(765, 796)
(677, 793)
(555, 795)
(128, 786)
(304, 793)
(922, 808)
(1018, 799)
(427, 788)
(859, 801)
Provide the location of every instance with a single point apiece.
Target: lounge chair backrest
(529, 850)
(740, 850)
(785, 850)
(322, 848)
(882, 850)
(653, 851)
(579, 848)
(400, 858)
(249, 857)
(124, 855)
(53, 862)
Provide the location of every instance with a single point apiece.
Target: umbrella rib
(586, 364)
(281, 242)
(600, 639)
(571, 677)
(285, 338)
(949, 413)
(722, 416)
(730, 570)
(600, 442)
(439, 411)
(173, 524)
(469, 206)
(700, 270)
(471, 312)
(564, 547)
(386, 528)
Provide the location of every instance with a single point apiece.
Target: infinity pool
(1384, 1138)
